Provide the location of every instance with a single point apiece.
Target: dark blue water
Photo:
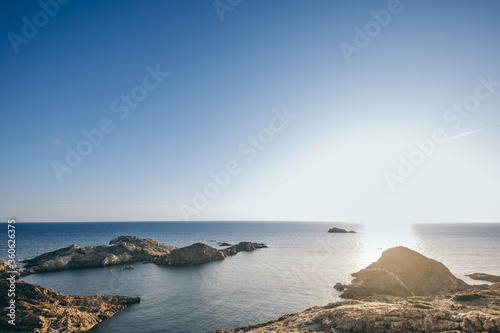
(297, 271)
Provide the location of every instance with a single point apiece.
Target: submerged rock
(123, 249)
(200, 253)
(484, 277)
(341, 231)
(43, 310)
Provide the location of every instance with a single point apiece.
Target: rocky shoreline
(384, 297)
(390, 314)
(41, 310)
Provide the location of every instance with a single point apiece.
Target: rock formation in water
(402, 272)
(123, 249)
(201, 253)
(484, 277)
(340, 231)
(41, 310)
(127, 249)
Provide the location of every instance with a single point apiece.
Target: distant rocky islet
(336, 230)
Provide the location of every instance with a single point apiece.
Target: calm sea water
(297, 271)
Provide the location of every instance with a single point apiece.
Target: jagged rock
(6, 271)
(131, 267)
(190, 255)
(123, 249)
(484, 277)
(403, 272)
(341, 231)
(224, 244)
(43, 310)
(201, 253)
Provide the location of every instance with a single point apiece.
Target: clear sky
(300, 110)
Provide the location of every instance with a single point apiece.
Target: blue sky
(335, 158)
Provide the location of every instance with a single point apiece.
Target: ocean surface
(297, 271)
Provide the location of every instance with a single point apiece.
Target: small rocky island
(384, 298)
(336, 230)
(128, 249)
(43, 310)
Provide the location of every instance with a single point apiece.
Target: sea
(297, 271)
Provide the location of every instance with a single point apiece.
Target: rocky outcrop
(341, 231)
(123, 249)
(201, 253)
(127, 249)
(190, 255)
(402, 272)
(484, 277)
(7, 271)
(392, 315)
(43, 310)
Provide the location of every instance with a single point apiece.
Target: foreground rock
(389, 314)
(399, 271)
(123, 249)
(341, 231)
(402, 272)
(43, 310)
(6, 271)
(201, 253)
(484, 277)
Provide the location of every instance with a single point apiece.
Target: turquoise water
(297, 271)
